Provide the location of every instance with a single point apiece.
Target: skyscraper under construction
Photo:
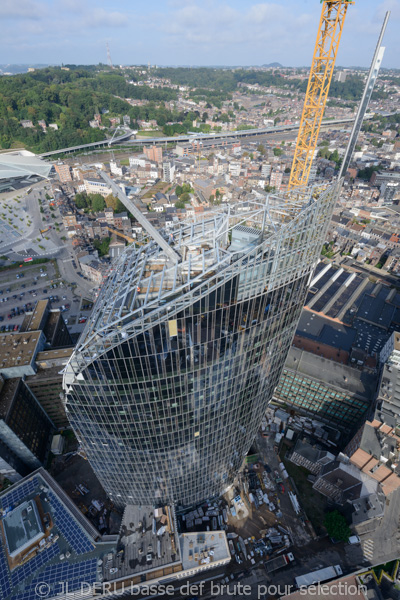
(171, 377)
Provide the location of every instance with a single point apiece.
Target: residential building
(171, 378)
(168, 171)
(154, 153)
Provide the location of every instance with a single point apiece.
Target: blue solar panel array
(74, 535)
(21, 573)
(5, 587)
(55, 578)
(21, 492)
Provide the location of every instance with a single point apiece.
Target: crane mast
(329, 33)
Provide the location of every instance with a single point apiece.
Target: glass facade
(337, 406)
(170, 379)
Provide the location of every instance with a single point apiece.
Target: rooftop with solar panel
(45, 539)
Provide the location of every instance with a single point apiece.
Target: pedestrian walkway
(368, 549)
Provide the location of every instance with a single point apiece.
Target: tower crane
(329, 33)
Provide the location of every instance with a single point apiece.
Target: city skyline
(189, 33)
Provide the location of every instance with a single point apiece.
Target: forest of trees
(71, 98)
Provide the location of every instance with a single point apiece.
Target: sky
(188, 32)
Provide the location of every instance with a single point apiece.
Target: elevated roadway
(246, 133)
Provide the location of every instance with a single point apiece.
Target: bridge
(195, 136)
(101, 144)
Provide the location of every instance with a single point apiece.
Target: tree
(97, 202)
(278, 152)
(114, 203)
(81, 200)
(261, 149)
(185, 197)
(178, 190)
(336, 526)
(102, 246)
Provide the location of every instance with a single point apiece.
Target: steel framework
(366, 97)
(326, 47)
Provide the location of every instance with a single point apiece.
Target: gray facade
(171, 377)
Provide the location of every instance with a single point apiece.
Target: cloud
(98, 17)
(23, 9)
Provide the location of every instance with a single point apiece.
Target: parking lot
(21, 288)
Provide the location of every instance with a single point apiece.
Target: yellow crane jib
(329, 33)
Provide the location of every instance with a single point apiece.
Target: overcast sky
(187, 32)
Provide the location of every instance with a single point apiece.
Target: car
(44, 291)
(354, 539)
(10, 316)
(8, 290)
(23, 286)
(15, 296)
(282, 488)
(2, 328)
(16, 327)
(34, 294)
(64, 297)
(1, 318)
(82, 320)
(43, 274)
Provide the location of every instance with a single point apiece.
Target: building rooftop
(45, 538)
(37, 317)
(332, 373)
(203, 548)
(19, 349)
(22, 527)
(149, 540)
(60, 355)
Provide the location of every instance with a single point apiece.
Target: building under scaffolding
(173, 372)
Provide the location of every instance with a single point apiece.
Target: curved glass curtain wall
(167, 414)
